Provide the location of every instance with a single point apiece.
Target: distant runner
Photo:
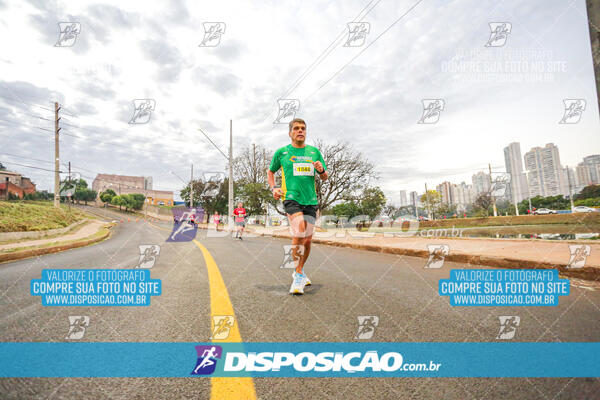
(299, 164)
(240, 222)
(216, 220)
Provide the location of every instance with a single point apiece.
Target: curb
(587, 273)
(18, 255)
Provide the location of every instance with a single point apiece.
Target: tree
(211, 196)
(590, 202)
(349, 173)
(199, 188)
(553, 202)
(250, 173)
(392, 212)
(505, 207)
(118, 201)
(256, 197)
(372, 201)
(482, 204)
(433, 198)
(446, 209)
(588, 192)
(136, 201)
(81, 184)
(84, 194)
(107, 196)
(349, 209)
(251, 165)
(2, 167)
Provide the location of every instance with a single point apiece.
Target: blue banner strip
(341, 359)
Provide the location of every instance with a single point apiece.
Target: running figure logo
(212, 34)
(148, 255)
(68, 184)
(212, 183)
(573, 110)
(142, 110)
(366, 326)
(437, 255)
(68, 33)
(207, 359)
(222, 325)
(579, 253)
(291, 255)
(432, 108)
(287, 110)
(499, 185)
(499, 34)
(508, 327)
(77, 325)
(184, 225)
(357, 33)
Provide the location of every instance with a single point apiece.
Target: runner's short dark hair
(298, 120)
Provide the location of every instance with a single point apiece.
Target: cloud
(166, 57)
(218, 79)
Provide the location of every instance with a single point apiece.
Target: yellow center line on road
(220, 305)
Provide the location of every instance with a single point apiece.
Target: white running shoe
(298, 284)
(307, 281)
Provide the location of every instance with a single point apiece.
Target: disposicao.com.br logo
(305, 363)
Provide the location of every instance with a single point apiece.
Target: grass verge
(36, 216)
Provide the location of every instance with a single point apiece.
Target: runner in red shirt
(240, 222)
(216, 220)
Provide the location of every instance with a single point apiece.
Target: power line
(30, 166)
(24, 102)
(324, 54)
(363, 50)
(27, 125)
(217, 147)
(28, 158)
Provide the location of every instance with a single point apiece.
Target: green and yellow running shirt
(297, 172)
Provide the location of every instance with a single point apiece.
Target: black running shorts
(293, 207)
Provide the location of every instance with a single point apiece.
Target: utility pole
(427, 201)
(492, 197)
(570, 192)
(529, 196)
(68, 195)
(192, 187)
(416, 209)
(515, 197)
(230, 195)
(265, 177)
(254, 166)
(56, 157)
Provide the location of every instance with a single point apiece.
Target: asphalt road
(347, 283)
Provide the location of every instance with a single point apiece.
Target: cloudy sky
(370, 94)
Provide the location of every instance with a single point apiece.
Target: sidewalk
(503, 253)
(92, 232)
(88, 229)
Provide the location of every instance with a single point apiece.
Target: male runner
(240, 215)
(299, 164)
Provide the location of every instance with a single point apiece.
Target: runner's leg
(308, 233)
(298, 227)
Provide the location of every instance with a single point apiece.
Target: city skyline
(539, 172)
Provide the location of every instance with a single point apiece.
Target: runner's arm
(271, 178)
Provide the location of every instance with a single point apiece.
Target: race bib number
(304, 169)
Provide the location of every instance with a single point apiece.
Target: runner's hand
(277, 193)
(318, 166)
